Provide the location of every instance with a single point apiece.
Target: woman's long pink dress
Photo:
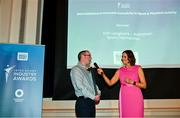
(131, 102)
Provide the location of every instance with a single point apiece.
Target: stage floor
(159, 108)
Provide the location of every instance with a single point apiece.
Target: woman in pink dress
(132, 80)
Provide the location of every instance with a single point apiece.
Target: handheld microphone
(95, 64)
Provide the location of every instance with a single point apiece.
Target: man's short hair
(81, 53)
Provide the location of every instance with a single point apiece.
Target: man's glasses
(86, 54)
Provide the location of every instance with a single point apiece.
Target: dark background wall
(163, 83)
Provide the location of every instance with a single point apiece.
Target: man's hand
(97, 99)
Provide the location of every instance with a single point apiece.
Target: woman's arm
(142, 83)
(111, 81)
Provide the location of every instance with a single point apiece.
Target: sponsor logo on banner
(20, 74)
(19, 93)
(8, 71)
(22, 56)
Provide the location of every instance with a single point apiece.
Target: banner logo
(8, 71)
(19, 93)
(22, 56)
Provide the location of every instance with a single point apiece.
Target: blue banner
(21, 80)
